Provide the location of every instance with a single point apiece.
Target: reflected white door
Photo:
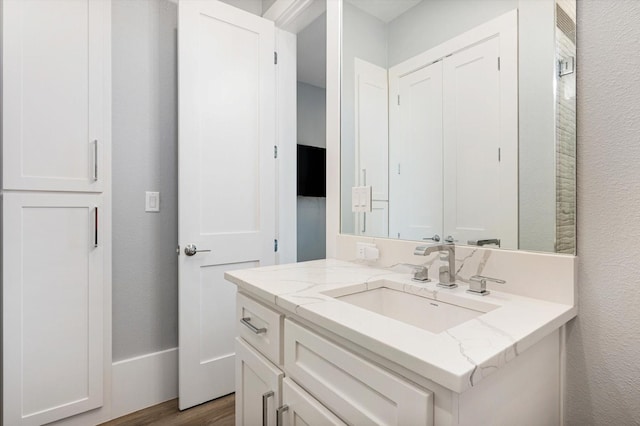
(226, 181)
(372, 143)
(472, 142)
(415, 186)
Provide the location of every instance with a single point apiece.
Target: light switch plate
(152, 202)
(361, 199)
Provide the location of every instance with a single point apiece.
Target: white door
(258, 384)
(415, 193)
(376, 222)
(472, 146)
(372, 142)
(56, 105)
(226, 181)
(301, 409)
(371, 118)
(52, 306)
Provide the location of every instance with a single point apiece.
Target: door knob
(191, 249)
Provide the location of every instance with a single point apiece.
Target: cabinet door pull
(95, 160)
(265, 399)
(279, 412)
(95, 227)
(247, 321)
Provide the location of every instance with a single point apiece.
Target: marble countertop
(456, 358)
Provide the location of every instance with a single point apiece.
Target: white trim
(334, 45)
(286, 140)
(294, 15)
(144, 381)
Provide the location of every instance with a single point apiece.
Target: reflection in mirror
(458, 122)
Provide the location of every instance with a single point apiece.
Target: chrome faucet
(448, 256)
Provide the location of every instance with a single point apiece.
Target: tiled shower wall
(566, 130)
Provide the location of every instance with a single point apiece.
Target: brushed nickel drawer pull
(247, 321)
(265, 398)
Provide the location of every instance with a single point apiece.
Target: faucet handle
(450, 239)
(435, 238)
(478, 284)
(421, 274)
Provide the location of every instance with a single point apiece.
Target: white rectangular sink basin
(428, 314)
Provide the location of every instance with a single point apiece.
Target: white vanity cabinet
(56, 94)
(258, 387)
(299, 408)
(325, 383)
(56, 202)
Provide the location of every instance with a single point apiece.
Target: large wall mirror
(458, 122)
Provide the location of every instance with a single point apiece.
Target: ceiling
(385, 10)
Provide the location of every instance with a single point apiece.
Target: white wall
(312, 106)
(311, 130)
(537, 133)
(311, 57)
(364, 37)
(431, 23)
(603, 383)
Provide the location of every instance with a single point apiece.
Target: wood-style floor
(219, 412)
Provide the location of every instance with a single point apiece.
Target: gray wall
(145, 267)
(603, 383)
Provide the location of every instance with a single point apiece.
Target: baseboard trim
(144, 381)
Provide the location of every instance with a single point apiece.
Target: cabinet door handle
(95, 160)
(279, 412)
(95, 227)
(247, 321)
(265, 399)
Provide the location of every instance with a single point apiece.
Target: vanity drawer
(356, 390)
(260, 326)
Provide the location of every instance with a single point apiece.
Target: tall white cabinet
(56, 205)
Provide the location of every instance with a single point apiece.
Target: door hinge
(178, 251)
(275, 58)
(498, 63)
(275, 245)
(275, 151)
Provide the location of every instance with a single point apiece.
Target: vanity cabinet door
(356, 390)
(302, 409)
(258, 387)
(54, 301)
(56, 94)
